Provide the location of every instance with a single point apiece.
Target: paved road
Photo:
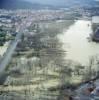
(8, 55)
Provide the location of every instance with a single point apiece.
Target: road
(84, 96)
(9, 53)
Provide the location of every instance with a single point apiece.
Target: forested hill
(21, 4)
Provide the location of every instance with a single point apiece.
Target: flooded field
(76, 43)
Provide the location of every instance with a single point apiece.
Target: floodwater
(76, 43)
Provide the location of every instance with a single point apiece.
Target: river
(75, 42)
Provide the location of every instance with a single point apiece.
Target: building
(95, 27)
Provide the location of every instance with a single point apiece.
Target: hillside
(20, 4)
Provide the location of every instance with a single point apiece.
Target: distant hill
(79, 3)
(20, 4)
